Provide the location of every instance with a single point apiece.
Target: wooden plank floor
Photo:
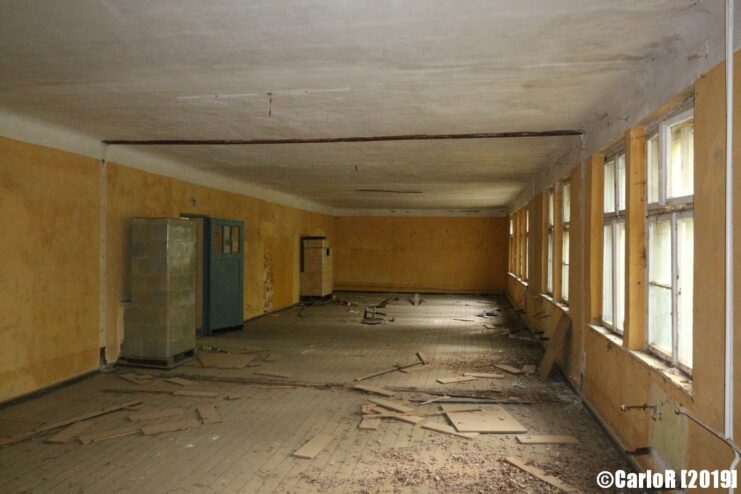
(250, 450)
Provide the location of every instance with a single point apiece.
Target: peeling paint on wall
(267, 301)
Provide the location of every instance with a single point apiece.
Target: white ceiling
(190, 69)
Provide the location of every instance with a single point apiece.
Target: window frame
(550, 247)
(673, 209)
(611, 219)
(565, 229)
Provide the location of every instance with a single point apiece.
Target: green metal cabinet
(223, 274)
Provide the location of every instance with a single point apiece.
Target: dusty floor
(324, 347)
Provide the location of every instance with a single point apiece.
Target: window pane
(609, 187)
(685, 265)
(607, 277)
(680, 170)
(511, 227)
(527, 221)
(549, 268)
(660, 318)
(621, 182)
(620, 276)
(218, 239)
(660, 252)
(653, 169)
(235, 240)
(565, 282)
(227, 240)
(566, 200)
(551, 218)
(565, 266)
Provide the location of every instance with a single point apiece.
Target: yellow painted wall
(49, 273)
(427, 254)
(614, 375)
(48, 266)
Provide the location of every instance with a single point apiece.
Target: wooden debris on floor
(198, 394)
(155, 414)
(273, 357)
(547, 439)
(540, 474)
(209, 414)
(179, 381)
(232, 397)
(369, 423)
(420, 361)
(491, 420)
(464, 320)
(446, 429)
(460, 407)
(529, 369)
(178, 425)
(555, 345)
(374, 389)
(509, 368)
(95, 437)
(63, 423)
(218, 360)
(274, 374)
(312, 448)
(391, 405)
(137, 378)
(484, 375)
(456, 379)
(70, 433)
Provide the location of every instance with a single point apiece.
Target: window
(551, 221)
(526, 270)
(670, 161)
(613, 253)
(565, 222)
(511, 244)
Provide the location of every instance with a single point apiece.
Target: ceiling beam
(322, 140)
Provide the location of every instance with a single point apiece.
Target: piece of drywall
(426, 254)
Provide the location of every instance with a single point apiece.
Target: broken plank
(312, 448)
(547, 439)
(555, 345)
(509, 368)
(200, 394)
(540, 474)
(95, 437)
(59, 424)
(179, 425)
(460, 407)
(136, 378)
(529, 369)
(446, 429)
(374, 389)
(370, 424)
(491, 420)
(155, 414)
(208, 414)
(456, 379)
(180, 381)
(273, 357)
(391, 405)
(68, 434)
(274, 374)
(484, 375)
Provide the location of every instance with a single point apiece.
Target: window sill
(549, 298)
(672, 375)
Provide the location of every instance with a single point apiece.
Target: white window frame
(674, 209)
(512, 244)
(550, 240)
(565, 227)
(612, 219)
